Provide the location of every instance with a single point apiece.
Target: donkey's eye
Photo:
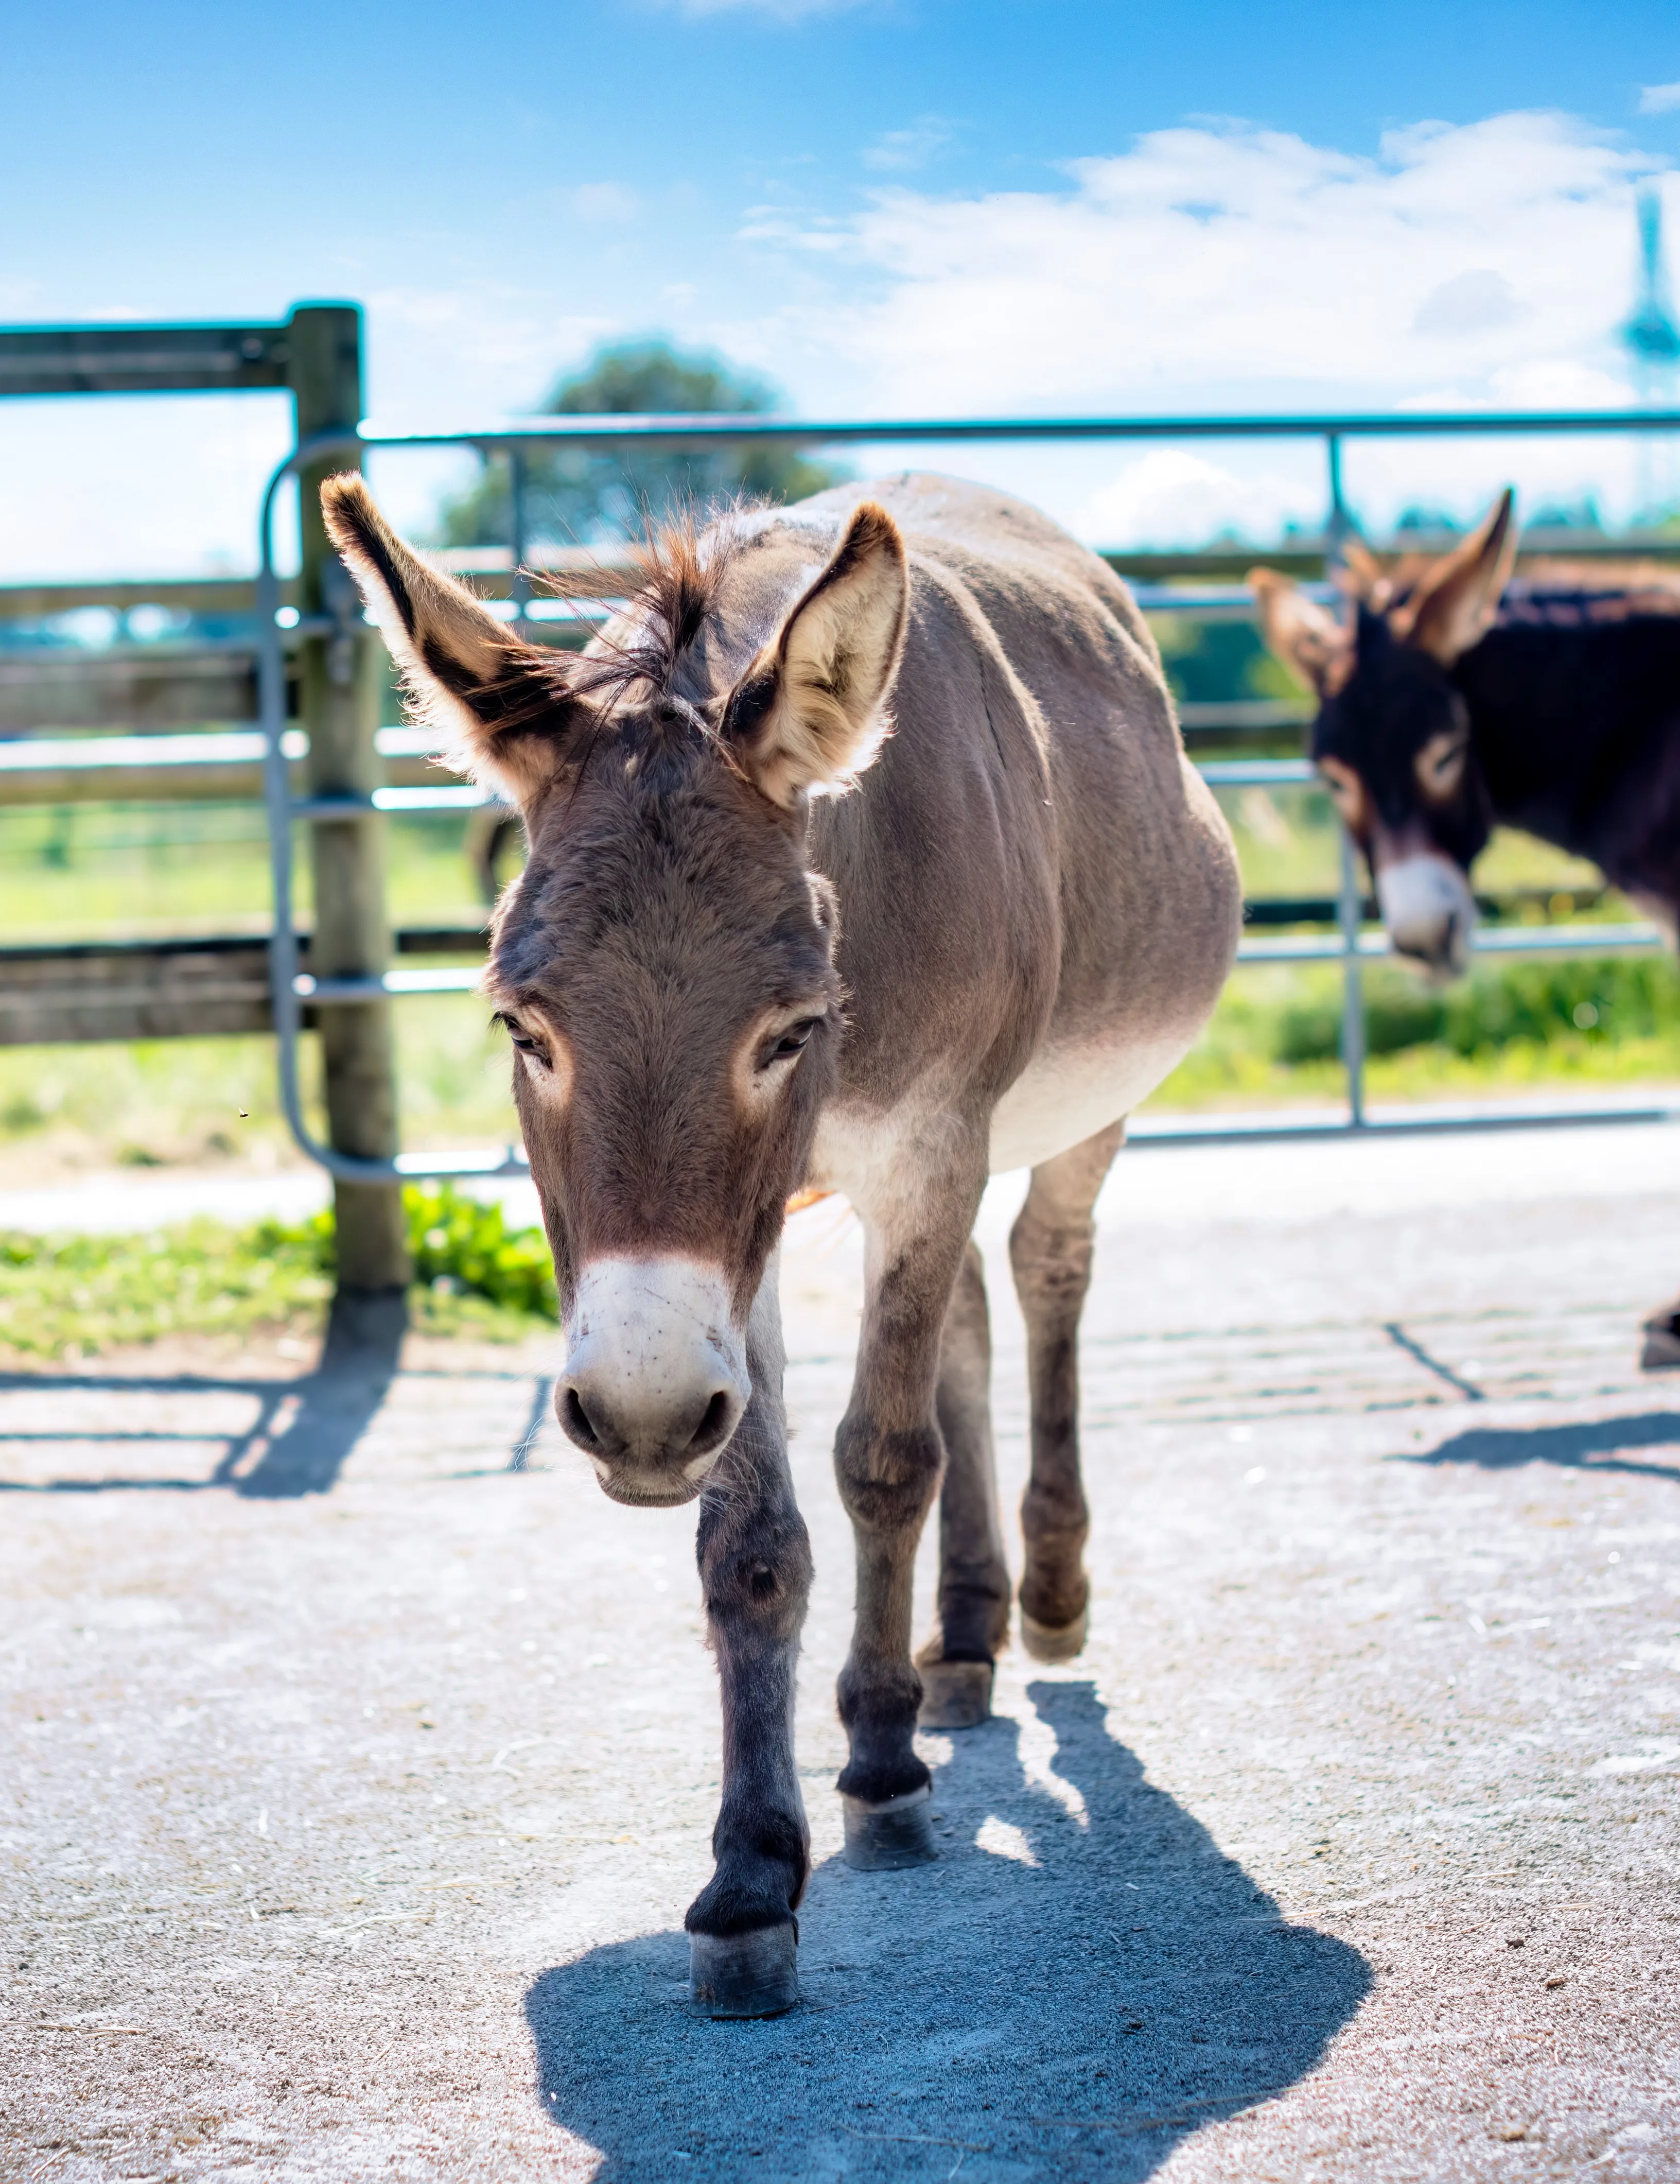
(792, 1043)
(1440, 763)
(525, 1044)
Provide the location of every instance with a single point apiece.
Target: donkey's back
(1067, 858)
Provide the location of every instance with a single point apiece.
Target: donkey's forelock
(652, 650)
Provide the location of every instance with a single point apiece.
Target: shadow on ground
(304, 1429)
(1072, 2018)
(338, 1401)
(1594, 1444)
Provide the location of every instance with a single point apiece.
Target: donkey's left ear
(1310, 641)
(811, 711)
(1455, 602)
(499, 710)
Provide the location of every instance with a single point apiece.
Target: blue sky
(957, 205)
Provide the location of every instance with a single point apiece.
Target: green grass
(1513, 1025)
(108, 872)
(70, 1297)
(155, 1103)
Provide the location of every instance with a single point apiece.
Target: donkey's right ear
(1311, 644)
(502, 711)
(1454, 604)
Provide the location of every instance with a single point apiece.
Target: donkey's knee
(887, 1478)
(759, 1579)
(1050, 1256)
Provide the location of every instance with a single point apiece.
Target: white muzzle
(1427, 909)
(655, 1378)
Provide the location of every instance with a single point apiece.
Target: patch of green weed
(71, 1296)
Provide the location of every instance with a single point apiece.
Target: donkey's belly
(1065, 1095)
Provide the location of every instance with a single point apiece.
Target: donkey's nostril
(576, 1420)
(715, 1422)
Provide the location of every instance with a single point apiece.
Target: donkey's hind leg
(1050, 1250)
(974, 1577)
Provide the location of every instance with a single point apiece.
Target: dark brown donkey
(726, 980)
(1454, 697)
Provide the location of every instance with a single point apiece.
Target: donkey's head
(1392, 737)
(665, 965)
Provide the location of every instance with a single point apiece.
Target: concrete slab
(361, 1757)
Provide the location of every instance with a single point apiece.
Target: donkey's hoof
(1051, 1642)
(897, 1832)
(755, 1974)
(955, 1694)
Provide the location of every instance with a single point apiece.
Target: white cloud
(1206, 260)
(1222, 268)
(899, 150)
(614, 203)
(1468, 303)
(1660, 99)
(1170, 496)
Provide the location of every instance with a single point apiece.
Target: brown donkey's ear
(1455, 601)
(810, 712)
(502, 711)
(1310, 642)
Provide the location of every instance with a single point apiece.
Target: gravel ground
(361, 1757)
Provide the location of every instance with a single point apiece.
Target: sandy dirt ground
(360, 1758)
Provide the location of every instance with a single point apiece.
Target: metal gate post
(1350, 903)
(342, 671)
(1350, 911)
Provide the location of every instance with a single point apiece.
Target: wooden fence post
(342, 682)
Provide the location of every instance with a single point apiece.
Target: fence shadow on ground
(1588, 1445)
(336, 1402)
(304, 1430)
(1075, 2018)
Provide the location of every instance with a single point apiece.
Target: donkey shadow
(1074, 2017)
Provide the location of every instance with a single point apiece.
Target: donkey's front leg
(888, 1455)
(755, 1568)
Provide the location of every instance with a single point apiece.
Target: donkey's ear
(1455, 601)
(811, 711)
(1309, 641)
(501, 710)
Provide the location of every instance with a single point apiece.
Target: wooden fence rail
(66, 993)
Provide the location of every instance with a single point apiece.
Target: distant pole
(342, 682)
(1652, 339)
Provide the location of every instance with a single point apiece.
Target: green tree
(583, 496)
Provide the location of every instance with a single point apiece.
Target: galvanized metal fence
(293, 989)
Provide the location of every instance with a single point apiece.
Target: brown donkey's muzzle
(655, 1378)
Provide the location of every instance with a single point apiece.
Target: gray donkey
(864, 857)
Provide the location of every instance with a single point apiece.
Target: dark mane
(681, 567)
(1568, 594)
(1544, 594)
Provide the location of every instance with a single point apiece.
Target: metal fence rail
(291, 986)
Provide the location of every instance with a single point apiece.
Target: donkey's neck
(1573, 726)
